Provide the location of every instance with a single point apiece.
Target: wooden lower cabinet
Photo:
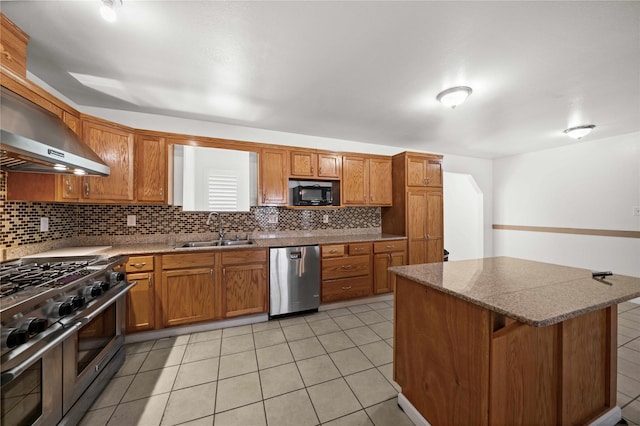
(244, 282)
(346, 271)
(483, 368)
(387, 254)
(141, 298)
(188, 288)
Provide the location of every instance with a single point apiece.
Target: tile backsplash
(21, 220)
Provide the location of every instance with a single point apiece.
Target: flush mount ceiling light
(107, 10)
(454, 96)
(579, 132)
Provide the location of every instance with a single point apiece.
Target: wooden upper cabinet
(424, 171)
(151, 168)
(68, 187)
(13, 47)
(366, 181)
(355, 174)
(115, 146)
(380, 187)
(308, 164)
(274, 181)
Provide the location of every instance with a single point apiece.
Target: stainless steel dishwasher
(294, 279)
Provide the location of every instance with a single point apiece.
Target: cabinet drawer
(139, 264)
(387, 246)
(344, 267)
(360, 248)
(334, 250)
(345, 289)
(233, 257)
(176, 261)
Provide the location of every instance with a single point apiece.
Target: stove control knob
(34, 325)
(117, 277)
(104, 285)
(14, 337)
(61, 309)
(92, 291)
(77, 302)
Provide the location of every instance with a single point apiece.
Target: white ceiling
(361, 71)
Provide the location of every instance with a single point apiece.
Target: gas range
(38, 293)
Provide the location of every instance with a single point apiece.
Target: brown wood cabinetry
(310, 164)
(274, 182)
(366, 181)
(244, 282)
(115, 147)
(387, 254)
(485, 369)
(188, 288)
(416, 212)
(424, 170)
(141, 298)
(68, 187)
(13, 47)
(151, 168)
(346, 271)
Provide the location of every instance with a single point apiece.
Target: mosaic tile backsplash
(21, 220)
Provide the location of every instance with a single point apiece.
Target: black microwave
(312, 196)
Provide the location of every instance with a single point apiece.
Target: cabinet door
(383, 280)
(115, 147)
(380, 182)
(244, 289)
(416, 171)
(151, 168)
(274, 182)
(140, 303)
(329, 166)
(417, 226)
(434, 225)
(434, 172)
(187, 296)
(303, 164)
(68, 186)
(354, 182)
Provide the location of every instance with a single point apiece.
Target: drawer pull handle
(138, 265)
(333, 251)
(359, 249)
(389, 246)
(347, 287)
(347, 266)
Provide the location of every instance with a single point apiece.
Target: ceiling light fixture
(579, 132)
(107, 10)
(454, 96)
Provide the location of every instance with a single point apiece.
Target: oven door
(96, 342)
(32, 380)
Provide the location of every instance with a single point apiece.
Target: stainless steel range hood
(35, 140)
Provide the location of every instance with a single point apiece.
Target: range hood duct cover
(35, 140)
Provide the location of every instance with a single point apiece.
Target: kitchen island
(507, 341)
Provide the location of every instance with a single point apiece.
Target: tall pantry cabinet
(417, 210)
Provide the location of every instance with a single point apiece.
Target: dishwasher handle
(295, 255)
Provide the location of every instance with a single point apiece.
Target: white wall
(463, 217)
(591, 184)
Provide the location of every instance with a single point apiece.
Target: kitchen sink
(217, 243)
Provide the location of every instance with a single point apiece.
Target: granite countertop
(535, 293)
(155, 248)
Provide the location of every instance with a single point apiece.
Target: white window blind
(222, 191)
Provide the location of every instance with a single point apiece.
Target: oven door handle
(106, 303)
(11, 374)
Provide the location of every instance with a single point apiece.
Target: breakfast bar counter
(507, 341)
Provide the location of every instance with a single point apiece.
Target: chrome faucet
(219, 216)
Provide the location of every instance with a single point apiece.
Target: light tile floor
(332, 368)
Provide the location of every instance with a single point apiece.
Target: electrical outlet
(44, 224)
(636, 210)
(272, 219)
(131, 220)
(325, 218)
